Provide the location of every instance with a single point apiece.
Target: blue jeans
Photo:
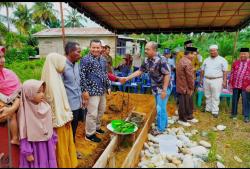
(162, 116)
(245, 102)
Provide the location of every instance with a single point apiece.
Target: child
(37, 138)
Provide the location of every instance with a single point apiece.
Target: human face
(167, 55)
(107, 52)
(244, 55)
(192, 55)
(103, 50)
(75, 54)
(150, 51)
(2, 60)
(95, 49)
(39, 95)
(189, 45)
(213, 53)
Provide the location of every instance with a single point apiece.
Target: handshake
(122, 80)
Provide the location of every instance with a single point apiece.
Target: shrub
(84, 52)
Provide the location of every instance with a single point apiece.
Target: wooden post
(63, 32)
(235, 43)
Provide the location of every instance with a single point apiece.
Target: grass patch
(27, 69)
(213, 151)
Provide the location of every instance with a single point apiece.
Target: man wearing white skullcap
(214, 69)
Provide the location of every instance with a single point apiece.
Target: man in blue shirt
(94, 84)
(71, 79)
(159, 73)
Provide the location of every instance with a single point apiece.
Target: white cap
(103, 43)
(213, 47)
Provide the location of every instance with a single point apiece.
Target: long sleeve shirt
(184, 76)
(93, 75)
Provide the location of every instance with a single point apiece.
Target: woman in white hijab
(61, 114)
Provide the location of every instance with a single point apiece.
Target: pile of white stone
(183, 153)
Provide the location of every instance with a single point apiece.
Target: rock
(214, 129)
(236, 158)
(169, 157)
(190, 145)
(204, 134)
(184, 139)
(176, 161)
(179, 143)
(187, 162)
(219, 158)
(197, 162)
(185, 151)
(151, 150)
(205, 144)
(220, 165)
(146, 146)
(142, 154)
(148, 154)
(194, 132)
(221, 127)
(152, 138)
(159, 163)
(170, 165)
(189, 134)
(199, 151)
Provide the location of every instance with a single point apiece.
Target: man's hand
(123, 80)
(248, 89)
(109, 91)
(163, 94)
(190, 93)
(30, 158)
(85, 99)
(224, 85)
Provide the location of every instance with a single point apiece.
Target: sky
(90, 23)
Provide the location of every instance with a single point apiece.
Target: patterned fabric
(238, 73)
(184, 76)
(157, 68)
(93, 75)
(246, 80)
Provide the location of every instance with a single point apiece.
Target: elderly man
(71, 79)
(94, 84)
(239, 74)
(159, 73)
(214, 69)
(185, 86)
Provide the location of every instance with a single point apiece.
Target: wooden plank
(133, 157)
(104, 158)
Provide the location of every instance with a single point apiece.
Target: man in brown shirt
(185, 85)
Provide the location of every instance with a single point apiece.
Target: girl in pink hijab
(37, 138)
(9, 93)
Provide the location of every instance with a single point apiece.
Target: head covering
(191, 49)
(2, 49)
(9, 82)
(244, 50)
(103, 43)
(213, 47)
(55, 90)
(187, 42)
(167, 51)
(35, 120)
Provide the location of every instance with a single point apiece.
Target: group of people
(44, 114)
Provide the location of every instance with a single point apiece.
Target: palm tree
(22, 19)
(73, 19)
(8, 5)
(43, 13)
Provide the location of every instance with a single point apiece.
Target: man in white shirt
(214, 69)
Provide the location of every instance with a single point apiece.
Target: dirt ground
(121, 103)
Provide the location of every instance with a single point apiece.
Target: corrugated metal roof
(86, 31)
(167, 17)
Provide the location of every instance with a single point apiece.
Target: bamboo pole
(62, 21)
(235, 42)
